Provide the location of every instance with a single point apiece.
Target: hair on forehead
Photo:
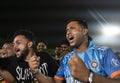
(80, 21)
(27, 33)
(65, 41)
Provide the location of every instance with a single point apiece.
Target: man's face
(58, 50)
(65, 48)
(41, 47)
(8, 49)
(21, 46)
(75, 33)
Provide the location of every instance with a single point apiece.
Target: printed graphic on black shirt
(24, 74)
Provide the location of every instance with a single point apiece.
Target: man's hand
(3, 53)
(78, 69)
(34, 62)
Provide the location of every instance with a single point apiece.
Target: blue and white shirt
(99, 59)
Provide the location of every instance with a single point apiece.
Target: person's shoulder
(98, 47)
(69, 54)
(45, 55)
(42, 54)
(102, 48)
(66, 57)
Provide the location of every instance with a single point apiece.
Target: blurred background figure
(1, 79)
(65, 47)
(58, 52)
(1, 53)
(43, 50)
(8, 49)
(41, 46)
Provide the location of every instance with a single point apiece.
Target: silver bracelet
(90, 78)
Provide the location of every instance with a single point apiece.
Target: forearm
(7, 76)
(100, 79)
(43, 79)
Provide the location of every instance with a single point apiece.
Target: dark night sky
(46, 18)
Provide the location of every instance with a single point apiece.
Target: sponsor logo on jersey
(115, 62)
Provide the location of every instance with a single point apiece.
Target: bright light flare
(110, 30)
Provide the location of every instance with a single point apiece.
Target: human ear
(30, 44)
(85, 32)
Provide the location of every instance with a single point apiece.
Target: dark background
(47, 18)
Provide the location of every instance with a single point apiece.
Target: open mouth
(17, 51)
(71, 38)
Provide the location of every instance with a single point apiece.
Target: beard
(23, 54)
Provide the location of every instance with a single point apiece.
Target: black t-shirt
(21, 71)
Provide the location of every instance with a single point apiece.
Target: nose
(68, 31)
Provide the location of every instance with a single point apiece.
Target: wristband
(90, 78)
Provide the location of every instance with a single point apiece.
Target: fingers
(3, 53)
(73, 63)
(73, 59)
(33, 59)
(34, 62)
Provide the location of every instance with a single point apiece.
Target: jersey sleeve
(111, 63)
(60, 73)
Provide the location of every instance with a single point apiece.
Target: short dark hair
(27, 33)
(45, 42)
(65, 41)
(80, 21)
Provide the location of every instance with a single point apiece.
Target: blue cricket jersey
(99, 59)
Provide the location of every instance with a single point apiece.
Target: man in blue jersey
(87, 63)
